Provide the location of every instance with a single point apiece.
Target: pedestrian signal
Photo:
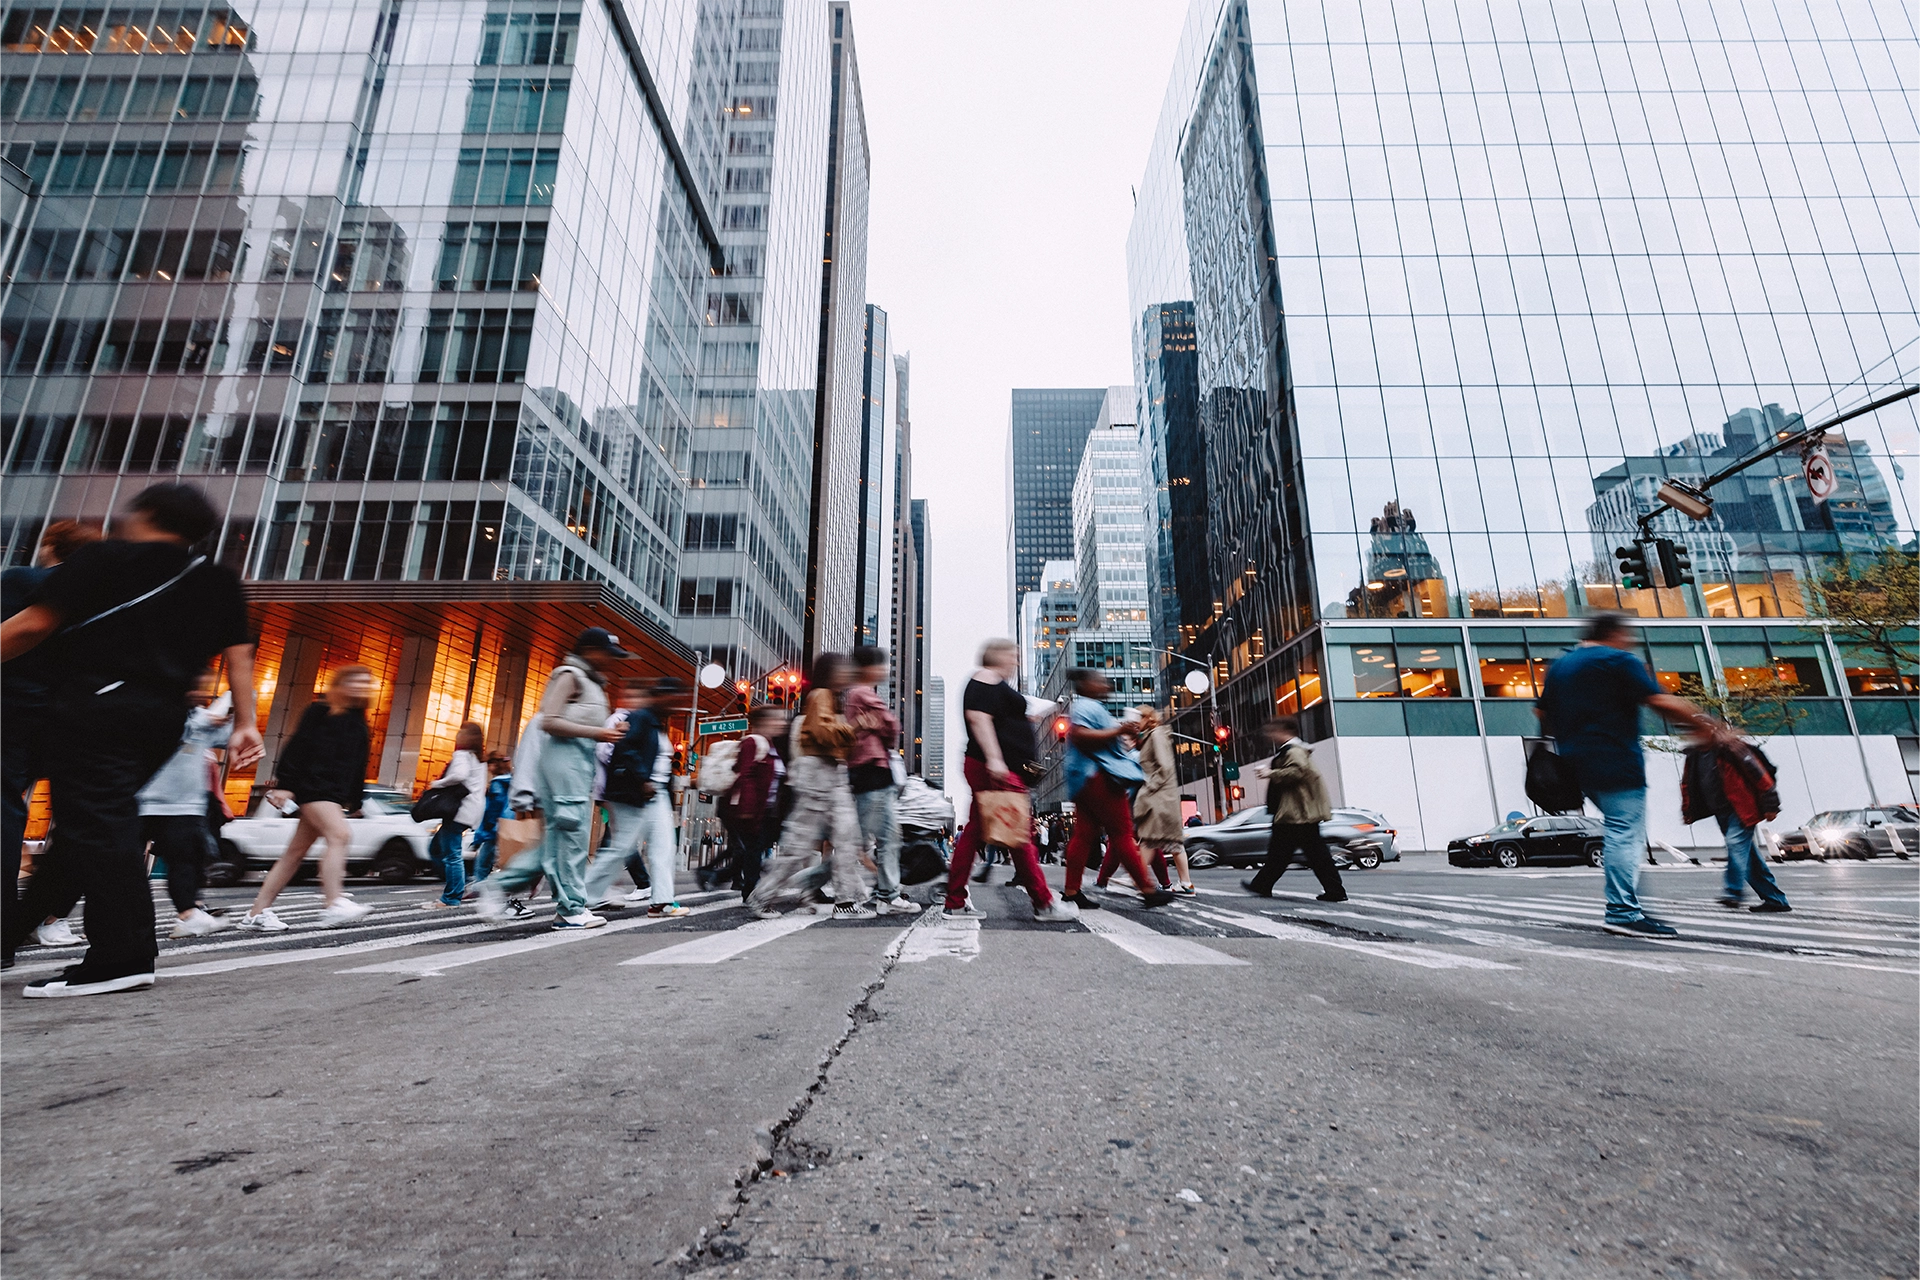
(1239, 792)
(1676, 564)
(1634, 574)
(1059, 726)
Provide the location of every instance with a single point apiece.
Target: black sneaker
(1731, 904)
(71, 982)
(1159, 897)
(1082, 901)
(1644, 927)
(1255, 890)
(1329, 897)
(1769, 908)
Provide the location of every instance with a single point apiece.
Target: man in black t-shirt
(128, 625)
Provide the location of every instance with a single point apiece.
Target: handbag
(1006, 819)
(514, 836)
(439, 804)
(1551, 781)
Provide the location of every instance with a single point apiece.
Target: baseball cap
(602, 639)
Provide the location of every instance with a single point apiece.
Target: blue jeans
(485, 850)
(1745, 865)
(1625, 842)
(447, 852)
(879, 823)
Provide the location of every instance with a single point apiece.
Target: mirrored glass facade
(1047, 430)
(1465, 285)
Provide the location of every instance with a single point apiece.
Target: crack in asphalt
(771, 1139)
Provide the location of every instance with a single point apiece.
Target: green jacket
(1296, 793)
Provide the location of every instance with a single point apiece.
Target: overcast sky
(1006, 139)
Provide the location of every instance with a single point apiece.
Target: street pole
(1213, 714)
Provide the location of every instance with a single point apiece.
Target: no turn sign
(1821, 480)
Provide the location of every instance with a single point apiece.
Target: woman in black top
(323, 770)
(1000, 757)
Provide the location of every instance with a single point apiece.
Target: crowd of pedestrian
(108, 696)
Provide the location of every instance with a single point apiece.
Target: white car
(387, 842)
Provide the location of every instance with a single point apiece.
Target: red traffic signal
(1221, 733)
(1059, 726)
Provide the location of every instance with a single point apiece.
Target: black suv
(1573, 839)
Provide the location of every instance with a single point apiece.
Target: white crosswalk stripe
(441, 961)
(715, 947)
(1151, 945)
(1424, 957)
(940, 937)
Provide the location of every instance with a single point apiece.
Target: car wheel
(1507, 856)
(1202, 856)
(1596, 854)
(306, 872)
(1365, 859)
(394, 863)
(227, 869)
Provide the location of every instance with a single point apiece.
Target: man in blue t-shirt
(1590, 705)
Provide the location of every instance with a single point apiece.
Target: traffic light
(1060, 727)
(1220, 735)
(1634, 574)
(1676, 564)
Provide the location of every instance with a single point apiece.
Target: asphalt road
(1454, 1074)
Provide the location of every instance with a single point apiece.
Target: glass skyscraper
(875, 549)
(1464, 285)
(1047, 429)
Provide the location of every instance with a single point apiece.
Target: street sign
(1233, 772)
(1821, 480)
(708, 727)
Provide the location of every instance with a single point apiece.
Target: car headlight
(1476, 839)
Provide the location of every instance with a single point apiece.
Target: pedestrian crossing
(1427, 925)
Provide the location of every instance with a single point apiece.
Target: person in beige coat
(1156, 806)
(1297, 799)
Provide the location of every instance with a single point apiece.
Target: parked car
(1518, 841)
(387, 842)
(1892, 831)
(1357, 838)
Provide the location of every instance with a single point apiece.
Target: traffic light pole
(1213, 715)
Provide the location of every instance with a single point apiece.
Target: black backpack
(1551, 782)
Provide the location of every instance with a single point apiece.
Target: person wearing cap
(640, 799)
(554, 774)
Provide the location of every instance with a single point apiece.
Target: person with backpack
(1101, 778)
(749, 799)
(130, 622)
(322, 772)
(553, 774)
(876, 732)
(1732, 782)
(640, 798)
(465, 773)
(822, 804)
(1590, 705)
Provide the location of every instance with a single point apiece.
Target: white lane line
(1150, 944)
(1405, 954)
(944, 938)
(1415, 918)
(441, 961)
(316, 953)
(716, 947)
(1708, 926)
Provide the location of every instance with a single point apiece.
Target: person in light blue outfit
(1590, 705)
(1102, 775)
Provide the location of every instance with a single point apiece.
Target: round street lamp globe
(1197, 682)
(711, 675)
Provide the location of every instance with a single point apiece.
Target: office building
(876, 522)
(904, 568)
(416, 294)
(833, 543)
(1048, 616)
(1463, 287)
(1109, 534)
(913, 644)
(746, 543)
(933, 756)
(1047, 430)
(1173, 463)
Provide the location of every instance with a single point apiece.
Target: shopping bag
(515, 837)
(1005, 818)
(1551, 781)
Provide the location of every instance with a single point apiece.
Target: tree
(1873, 606)
(1760, 708)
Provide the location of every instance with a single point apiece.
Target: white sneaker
(902, 906)
(265, 922)
(1057, 912)
(196, 923)
(57, 934)
(343, 911)
(491, 902)
(585, 920)
(854, 911)
(519, 910)
(968, 912)
(640, 895)
(767, 913)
